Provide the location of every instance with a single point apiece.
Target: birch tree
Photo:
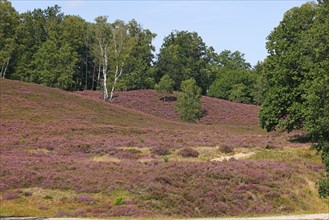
(121, 47)
(101, 49)
(9, 21)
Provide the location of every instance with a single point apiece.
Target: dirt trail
(235, 156)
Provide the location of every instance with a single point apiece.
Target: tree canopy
(184, 55)
(297, 77)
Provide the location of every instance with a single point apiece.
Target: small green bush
(165, 86)
(324, 187)
(48, 197)
(188, 101)
(119, 201)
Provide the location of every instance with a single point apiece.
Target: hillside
(216, 111)
(71, 154)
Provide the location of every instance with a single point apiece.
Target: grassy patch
(302, 154)
(106, 158)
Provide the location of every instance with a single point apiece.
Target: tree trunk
(93, 81)
(99, 76)
(116, 77)
(3, 71)
(106, 95)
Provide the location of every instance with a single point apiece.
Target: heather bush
(9, 195)
(87, 199)
(3, 187)
(226, 149)
(133, 150)
(80, 212)
(27, 194)
(160, 150)
(43, 207)
(188, 152)
(84, 148)
(127, 155)
(127, 210)
(269, 145)
(63, 213)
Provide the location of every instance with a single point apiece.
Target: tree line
(65, 51)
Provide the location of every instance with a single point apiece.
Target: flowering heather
(188, 152)
(9, 195)
(176, 188)
(49, 139)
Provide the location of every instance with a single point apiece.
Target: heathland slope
(68, 154)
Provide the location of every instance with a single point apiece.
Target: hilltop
(72, 154)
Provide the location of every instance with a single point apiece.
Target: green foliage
(233, 84)
(37, 28)
(8, 31)
(235, 80)
(54, 65)
(48, 197)
(165, 159)
(324, 187)
(165, 86)
(297, 77)
(119, 201)
(184, 55)
(188, 101)
(283, 103)
(232, 61)
(139, 73)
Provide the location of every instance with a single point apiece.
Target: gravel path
(323, 216)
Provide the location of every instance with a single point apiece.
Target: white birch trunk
(106, 94)
(3, 71)
(99, 76)
(116, 77)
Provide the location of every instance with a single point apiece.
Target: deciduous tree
(9, 21)
(101, 49)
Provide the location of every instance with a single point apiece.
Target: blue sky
(233, 25)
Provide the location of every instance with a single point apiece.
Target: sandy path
(235, 156)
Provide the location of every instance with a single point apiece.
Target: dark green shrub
(48, 197)
(324, 187)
